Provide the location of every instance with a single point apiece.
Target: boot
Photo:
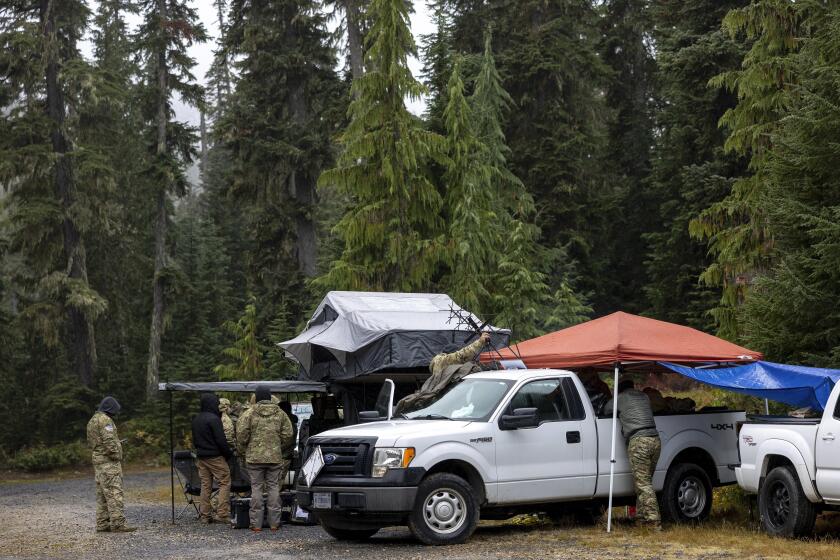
(123, 529)
(103, 529)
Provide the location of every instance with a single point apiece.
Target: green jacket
(264, 434)
(635, 414)
(103, 439)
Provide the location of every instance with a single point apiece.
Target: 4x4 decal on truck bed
(722, 426)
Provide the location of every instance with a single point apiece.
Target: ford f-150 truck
(497, 444)
(793, 464)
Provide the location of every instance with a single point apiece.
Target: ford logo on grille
(330, 458)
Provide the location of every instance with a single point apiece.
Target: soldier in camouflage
(264, 436)
(643, 447)
(227, 423)
(107, 457)
(453, 356)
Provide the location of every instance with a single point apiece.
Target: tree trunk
(302, 187)
(355, 41)
(204, 147)
(159, 286)
(82, 340)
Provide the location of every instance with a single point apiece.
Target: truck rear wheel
(445, 511)
(785, 510)
(340, 534)
(687, 494)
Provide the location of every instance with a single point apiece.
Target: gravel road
(55, 519)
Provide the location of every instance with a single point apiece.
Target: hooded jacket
(207, 432)
(264, 434)
(102, 435)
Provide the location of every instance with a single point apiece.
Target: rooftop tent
(626, 339)
(798, 386)
(352, 334)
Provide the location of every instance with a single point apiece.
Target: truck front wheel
(784, 508)
(445, 511)
(687, 494)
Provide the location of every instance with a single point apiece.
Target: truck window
(546, 395)
(837, 410)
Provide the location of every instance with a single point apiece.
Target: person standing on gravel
(212, 450)
(643, 447)
(106, 452)
(264, 434)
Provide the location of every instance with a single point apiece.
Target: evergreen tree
(246, 351)
(474, 237)
(788, 311)
(690, 169)
(390, 231)
(734, 227)
(436, 50)
(168, 29)
(625, 47)
(54, 180)
(519, 284)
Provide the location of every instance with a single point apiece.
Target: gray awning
(285, 386)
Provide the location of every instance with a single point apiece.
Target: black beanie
(263, 394)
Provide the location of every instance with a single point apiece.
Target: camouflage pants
(643, 453)
(109, 496)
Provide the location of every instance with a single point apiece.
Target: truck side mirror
(521, 418)
(369, 416)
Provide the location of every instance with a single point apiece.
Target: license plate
(321, 500)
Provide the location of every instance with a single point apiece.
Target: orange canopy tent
(621, 341)
(622, 338)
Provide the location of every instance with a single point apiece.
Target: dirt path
(55, 519)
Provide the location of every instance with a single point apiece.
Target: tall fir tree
(690, 168)
(54, 180)
(630, 89)
(391, 230)
(788, 312)
(734, 227)
(168, 30)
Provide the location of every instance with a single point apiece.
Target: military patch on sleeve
(109, 427)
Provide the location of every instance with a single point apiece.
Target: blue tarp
(797, 386)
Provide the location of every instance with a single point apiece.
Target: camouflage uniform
(643, 448)
(643, 452)
(465, 354)
(107, 456)
(227, 423)
(264, 436)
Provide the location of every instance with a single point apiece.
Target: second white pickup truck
(793, 464)
(501, 443)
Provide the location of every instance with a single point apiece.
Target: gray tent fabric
(246, 386)
(356, 333)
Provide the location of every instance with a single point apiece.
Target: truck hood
(392, 432)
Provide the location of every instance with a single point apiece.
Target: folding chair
(187, 472)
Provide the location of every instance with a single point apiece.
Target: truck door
(828, 450)
(557, 459)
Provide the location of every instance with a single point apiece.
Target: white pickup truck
(497, 444)
(793, 464)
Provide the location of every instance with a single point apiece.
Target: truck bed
(786, 420)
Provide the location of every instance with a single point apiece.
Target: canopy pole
(766, 407)
(171, 460)
(612, 451)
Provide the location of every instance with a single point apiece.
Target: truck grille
(353, 457)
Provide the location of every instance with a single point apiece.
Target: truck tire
(785, 510)
(340, 534)
(445, 511)
(687, 494)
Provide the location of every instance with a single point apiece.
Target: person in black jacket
(212, 450)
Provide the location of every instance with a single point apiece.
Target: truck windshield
(471, 399)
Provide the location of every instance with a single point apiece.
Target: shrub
(43, 458)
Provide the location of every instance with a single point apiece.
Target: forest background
(673, 158)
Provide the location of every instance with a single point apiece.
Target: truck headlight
(385, 458)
